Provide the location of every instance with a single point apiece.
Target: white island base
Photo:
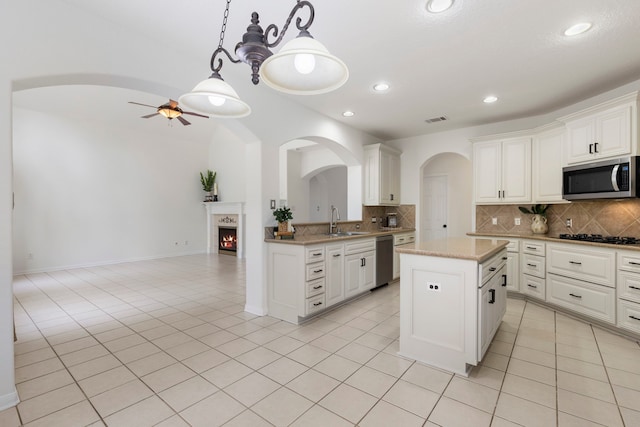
(452, 300)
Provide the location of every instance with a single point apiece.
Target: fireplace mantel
(225, 208)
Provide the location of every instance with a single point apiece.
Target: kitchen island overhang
(452, 300)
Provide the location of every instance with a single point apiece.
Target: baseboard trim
(9, 400)
(258, 311)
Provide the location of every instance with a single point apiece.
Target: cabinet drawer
(403, 239)
(629, 316)
(359, 246)
(533, 247)
(629, 286)
(489, 267)
(584, 264)
(314, 304)
(587, 298)
(315, 287)
(513, 246)
(315, 271)
(533, 286)
(314, 254)
(533, 265)
(629, 261)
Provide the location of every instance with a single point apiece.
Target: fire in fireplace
(227, 241)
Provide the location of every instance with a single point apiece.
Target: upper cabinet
(502, 170)
(381, 175)
(547, 165)
(604, 131)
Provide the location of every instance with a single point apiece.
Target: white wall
(328, 188)
(87, 195)
(227, 152)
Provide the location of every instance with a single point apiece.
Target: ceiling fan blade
(172, 103)
(144, 105)
(183, 121)
(149, 115)
(195, 114)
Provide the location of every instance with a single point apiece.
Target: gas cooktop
(599, 238)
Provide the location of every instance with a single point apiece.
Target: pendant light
(303, 66)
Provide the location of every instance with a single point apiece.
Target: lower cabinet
(335, 290)
(359, 273)
(492, 307)
(590, 299)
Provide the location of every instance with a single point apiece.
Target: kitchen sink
(348, 233)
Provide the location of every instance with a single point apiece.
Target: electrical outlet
(433, 286)
(494, 221)
(569, 223)
(273, 204)
(373, 220)
(517, 221)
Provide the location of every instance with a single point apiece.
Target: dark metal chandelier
(302, 67)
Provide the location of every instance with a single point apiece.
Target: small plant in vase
(539, 221)
(208, 181)
(283, 216)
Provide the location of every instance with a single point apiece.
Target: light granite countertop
(553, 239)
(324, 238)
(471, 248)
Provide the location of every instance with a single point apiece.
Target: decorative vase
(207, 196)
(283, 227)
(539, 224)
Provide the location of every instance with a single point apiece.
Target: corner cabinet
(547, 165)
(607, 130)
(381, 175)
(502, 171)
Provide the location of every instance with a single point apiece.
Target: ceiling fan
(171, 111)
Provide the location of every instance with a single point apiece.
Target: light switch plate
(494, 221)
(273, 204)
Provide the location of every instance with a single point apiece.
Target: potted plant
(283, 215)
(539, 221)
(208, 182)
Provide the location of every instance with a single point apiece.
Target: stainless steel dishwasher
(384, 260)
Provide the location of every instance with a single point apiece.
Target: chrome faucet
(333, 225)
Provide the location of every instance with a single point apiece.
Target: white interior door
(434, 207)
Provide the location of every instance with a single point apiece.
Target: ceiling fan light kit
(170, 110)
(303, 66)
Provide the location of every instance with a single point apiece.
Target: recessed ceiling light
(490, 99)
(576, 29)
(437, 6)
(348, 114)
(380, 87)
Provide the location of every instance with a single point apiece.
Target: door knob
(444, 225)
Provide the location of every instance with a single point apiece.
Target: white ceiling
(436, 64)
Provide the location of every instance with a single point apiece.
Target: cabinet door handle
(634, 263)
(504, 258)
(634, 317)
(317, 271)
(493, 296)
(392, 197)
(504, 280)
(576, 296)
(531, 248)
(492, 269)
(317, 254)
(336, 255)
(532, 265)
(503, 196)
(590, 148)
(634, 287)
(595, 147)
(532, 286)
(317, 304)
(575, 263)
(317, 287)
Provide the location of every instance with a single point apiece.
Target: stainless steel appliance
(384, 260)
(392, 220)
(607, 179)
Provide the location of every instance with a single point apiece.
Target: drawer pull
(492, 269)
(532, 286)
(493, 296)
(575, 263)
(504, 280)
(317, 254)
(317, 271)
(532, 265)
(336, 255)
(634, 263)
(317, 287)
(317, 304)
(576, 296)
(634, 287)
(634, 317)
(504, 258)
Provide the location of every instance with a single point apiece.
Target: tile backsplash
(609, 218)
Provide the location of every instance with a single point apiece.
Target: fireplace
(227, 241)
(225, 215)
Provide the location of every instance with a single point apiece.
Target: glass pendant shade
(304, 67)
(216, 98)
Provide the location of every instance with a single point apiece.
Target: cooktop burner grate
(599, 238)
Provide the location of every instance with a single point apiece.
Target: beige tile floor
(166, 342)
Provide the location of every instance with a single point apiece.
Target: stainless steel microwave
(607, 179)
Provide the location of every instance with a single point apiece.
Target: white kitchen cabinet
(513, 265)
(533, 268)
(502, 171)
(628, 289)
(381, 175)
(335, 291)
(400, 239)
(359, 273)
(547, 165)
(596, 301)
(582, 263)
(604, 131)
(493, 305)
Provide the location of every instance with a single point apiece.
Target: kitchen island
(452, 299)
